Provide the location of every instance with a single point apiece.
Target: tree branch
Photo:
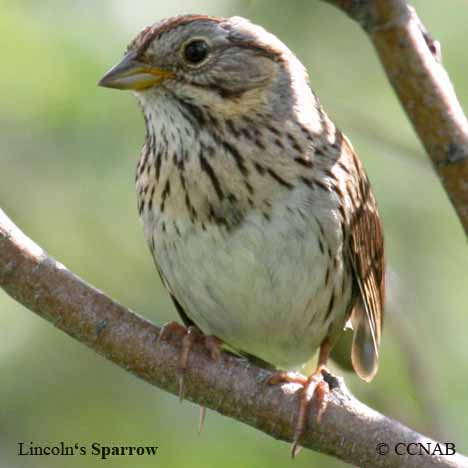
(234, 387)
(411, 59)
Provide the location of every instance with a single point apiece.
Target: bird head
(227, 64)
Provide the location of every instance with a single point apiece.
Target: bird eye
(196, 51)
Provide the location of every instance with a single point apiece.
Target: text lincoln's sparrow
(256, 209)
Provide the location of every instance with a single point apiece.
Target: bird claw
(174, 328)
(171, 328)
(187, 342)
(286, 377)
(201, 420)
(316, 389)
(190, 335)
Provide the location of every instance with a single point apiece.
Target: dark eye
(196, 51)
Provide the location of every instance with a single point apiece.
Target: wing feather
(366, 252)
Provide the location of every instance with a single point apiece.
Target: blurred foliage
(67, 156)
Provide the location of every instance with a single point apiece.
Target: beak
(131, 73)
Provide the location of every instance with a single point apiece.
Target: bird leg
(191, 335)
(314, 387)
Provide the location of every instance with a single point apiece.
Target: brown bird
(257, 211)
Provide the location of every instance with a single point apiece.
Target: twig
(234, 387)
(411, 59)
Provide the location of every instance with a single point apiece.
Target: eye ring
(195, 51)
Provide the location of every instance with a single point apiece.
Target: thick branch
(234, 387)
(410, 59)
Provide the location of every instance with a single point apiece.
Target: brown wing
(366, 251)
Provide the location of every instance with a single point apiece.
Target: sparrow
(256, 209)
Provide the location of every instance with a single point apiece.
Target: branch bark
(411, 60)
(233, 386)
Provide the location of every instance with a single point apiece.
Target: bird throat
(190, 171)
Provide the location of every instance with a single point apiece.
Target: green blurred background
(68, 150)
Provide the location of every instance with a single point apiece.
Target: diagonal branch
(234, 387)
(411, 60)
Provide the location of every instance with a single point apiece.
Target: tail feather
(365, 349)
